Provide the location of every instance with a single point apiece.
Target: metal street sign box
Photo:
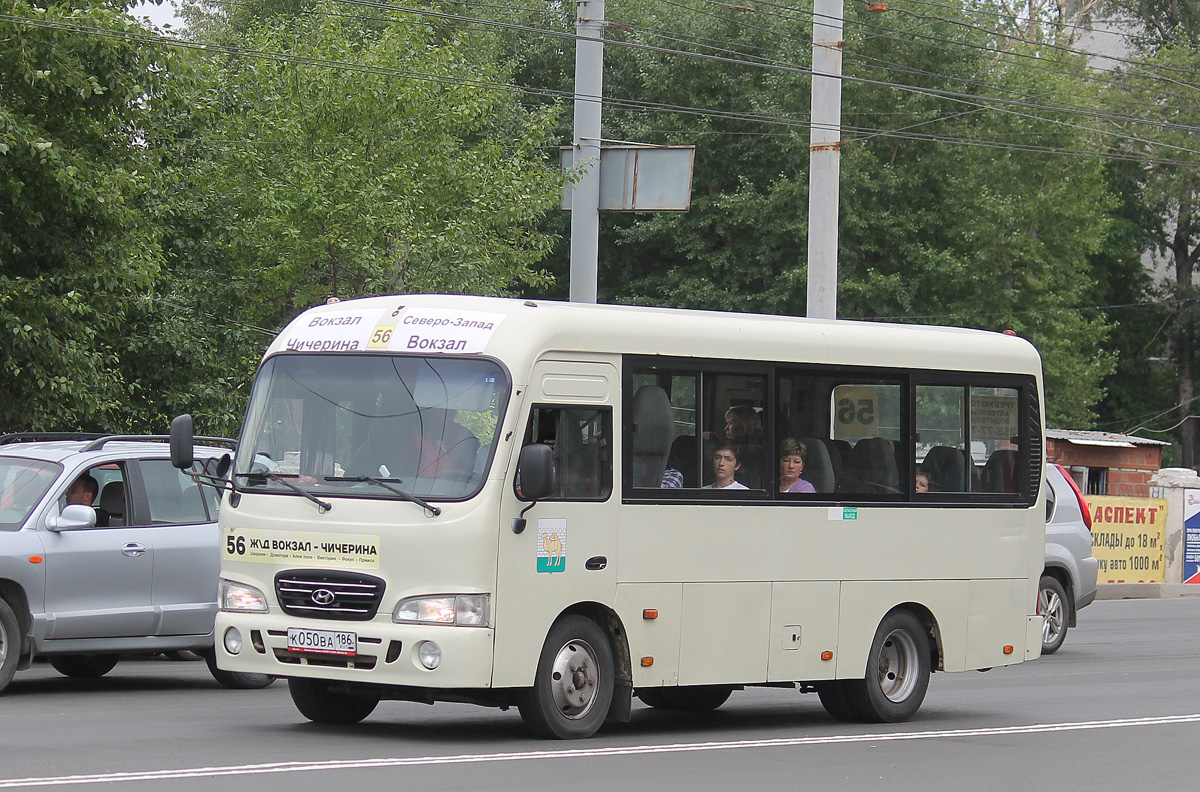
(640, 178)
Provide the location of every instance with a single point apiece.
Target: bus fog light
(430, 654)
(233, 640)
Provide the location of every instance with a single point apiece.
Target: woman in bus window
(792, 456)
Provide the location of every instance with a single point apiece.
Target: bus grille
(319, 594)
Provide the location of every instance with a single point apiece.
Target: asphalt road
(1118, 708)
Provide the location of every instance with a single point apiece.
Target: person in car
(83, 491)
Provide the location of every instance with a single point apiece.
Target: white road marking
(583, 753)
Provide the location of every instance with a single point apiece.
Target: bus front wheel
(573, 687)
(318, 701)
(897, 671)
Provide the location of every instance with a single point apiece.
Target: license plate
(322, 641)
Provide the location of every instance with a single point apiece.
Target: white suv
(1069, 579)
(134, 572)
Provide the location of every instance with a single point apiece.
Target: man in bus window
(725, 466)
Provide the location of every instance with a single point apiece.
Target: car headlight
(240, 597)
(462, 610)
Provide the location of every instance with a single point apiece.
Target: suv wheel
(1052, 604)
(10, 644)
(237, 680)
(84, 666)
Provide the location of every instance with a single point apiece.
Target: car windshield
(342, 424)
(23, 482)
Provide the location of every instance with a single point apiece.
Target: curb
(1115, 591)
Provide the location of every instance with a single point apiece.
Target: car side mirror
(182, 440)
(75, 517)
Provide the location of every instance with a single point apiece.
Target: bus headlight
(462, 610)
(240, 597)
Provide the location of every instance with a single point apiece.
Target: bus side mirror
(182, 439)
(535, 471)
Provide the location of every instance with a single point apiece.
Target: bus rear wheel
(573, 686)
(897, 671)
(320, 702)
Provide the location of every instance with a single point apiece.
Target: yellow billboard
(1127, 538)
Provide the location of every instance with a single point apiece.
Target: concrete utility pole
(825, 139)
(585, 196)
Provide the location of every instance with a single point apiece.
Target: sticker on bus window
(552, 545)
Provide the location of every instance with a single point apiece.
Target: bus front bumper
(383, 653)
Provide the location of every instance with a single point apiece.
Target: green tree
(76, 253)
(953, 210)
(330, 155)
(1159, 89)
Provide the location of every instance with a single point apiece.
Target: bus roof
(520, 331)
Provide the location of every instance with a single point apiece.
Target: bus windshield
(373, 426)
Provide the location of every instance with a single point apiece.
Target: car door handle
(133, 549)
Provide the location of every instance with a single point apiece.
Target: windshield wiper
(387, 485)
(282, 478)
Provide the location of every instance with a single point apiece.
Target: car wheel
(897, 671)
(1052, 604)
(320, 702)
(10, 644)
(84, 666)
(236, 680)
(573, 686)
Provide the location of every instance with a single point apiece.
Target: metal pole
(825, 135)
(585, 196)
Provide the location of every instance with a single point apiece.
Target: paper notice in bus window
(993, 417)
(443, 330)
(339, 551)
(855, 411)
(332, 331)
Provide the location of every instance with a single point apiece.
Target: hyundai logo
(323, 596)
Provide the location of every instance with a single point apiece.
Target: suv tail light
(1083, 506)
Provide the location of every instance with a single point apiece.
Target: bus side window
(580, 438)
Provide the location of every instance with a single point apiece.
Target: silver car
(1069, 579)
(133, 571)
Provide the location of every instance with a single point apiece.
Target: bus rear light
(647, 662)
(1008, 650)
(650, 613)
(827, 655)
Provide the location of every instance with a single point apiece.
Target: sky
(159, 14)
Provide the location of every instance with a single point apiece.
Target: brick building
(1103, 463)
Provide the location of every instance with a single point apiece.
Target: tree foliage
(955, 209)
(77, 255)
(362, 156)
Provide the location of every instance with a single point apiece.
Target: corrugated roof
(1085, 437)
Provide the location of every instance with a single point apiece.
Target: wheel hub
(576, 679)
